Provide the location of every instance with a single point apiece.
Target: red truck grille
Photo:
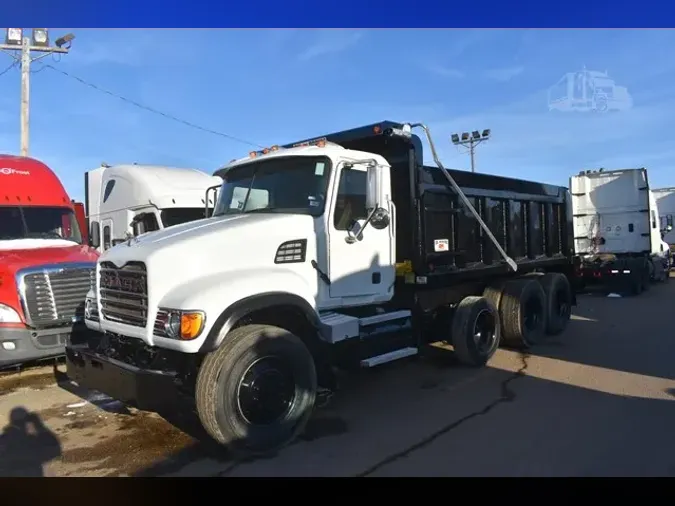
(54, 295)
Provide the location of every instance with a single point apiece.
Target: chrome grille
(54, 295)
(124, 293)
(160, 321)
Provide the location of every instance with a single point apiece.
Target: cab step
(389, 357)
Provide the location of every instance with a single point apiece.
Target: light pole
(39, 43)
(471, 140)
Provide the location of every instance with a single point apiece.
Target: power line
(11, 66)
(152, 110)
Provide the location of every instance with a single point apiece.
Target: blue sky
(277, 86)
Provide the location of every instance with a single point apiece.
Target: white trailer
(617, 234)
(128, 200)
(665, 201)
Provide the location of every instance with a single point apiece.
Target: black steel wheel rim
(534, 311)
(267, 391)
(484, 330)
(563, 306)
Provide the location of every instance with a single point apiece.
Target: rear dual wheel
(475, 331)
(532, 307)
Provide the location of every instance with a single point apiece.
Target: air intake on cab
(291, 252)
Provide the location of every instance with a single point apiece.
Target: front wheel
(256, 392)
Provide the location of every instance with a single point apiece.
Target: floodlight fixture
(66, 39)
(40, 37)
(14, 36)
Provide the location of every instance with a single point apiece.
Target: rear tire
(256, 392)
(634, 280)
(523, 313)
(646, 269)
(475, 331)
(558, 302)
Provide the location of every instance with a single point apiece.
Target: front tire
(256, 392)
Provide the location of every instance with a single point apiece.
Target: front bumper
(22, 344)
(145, 389)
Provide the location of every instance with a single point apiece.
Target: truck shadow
(416, 419)
(387, 415)
(629, 334)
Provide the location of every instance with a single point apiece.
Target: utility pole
(471, 140)
(39, 43)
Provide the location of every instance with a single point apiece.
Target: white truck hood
(230, 232)
(201, 249)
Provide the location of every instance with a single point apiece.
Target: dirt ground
(597, 401)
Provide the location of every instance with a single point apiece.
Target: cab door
(363, 267)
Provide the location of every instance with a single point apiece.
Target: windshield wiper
(261, 209)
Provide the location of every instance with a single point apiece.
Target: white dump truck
(336, 252)
(617, 233)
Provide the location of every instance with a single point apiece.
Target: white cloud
(331, 41)
(504, 74)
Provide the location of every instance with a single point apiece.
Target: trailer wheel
(475, 331)
(558, 301)
(523, 313)
(256, 392)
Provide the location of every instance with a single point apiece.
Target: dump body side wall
(528, 219)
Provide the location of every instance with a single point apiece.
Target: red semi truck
(46, 265)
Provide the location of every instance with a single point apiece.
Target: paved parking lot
(598, 400)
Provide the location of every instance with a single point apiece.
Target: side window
(94, 235)
(143, 223)
(351, 198)
(106, 237)
(653, 219)
(108, 190)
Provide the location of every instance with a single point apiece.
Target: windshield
(294, 184)
(178, 215)
(39, 223)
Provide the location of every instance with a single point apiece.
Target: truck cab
(126, 201)
(617, 228)
(46, 269)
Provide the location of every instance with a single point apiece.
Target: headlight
(172, 325)
(184, 325)
(8, 315)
